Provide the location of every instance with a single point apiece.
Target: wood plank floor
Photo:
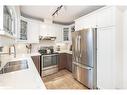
(62, 80)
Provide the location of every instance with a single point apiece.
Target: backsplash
(21, 48)
(36, 47)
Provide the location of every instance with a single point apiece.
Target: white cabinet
(106, 58)
(47, 29)
(8, 24)
(53, 30)
(58, 33)
(66, 34)
(29, 31)
(108, 21)
(106, 17)
(7, 21)
(88, 21)
(109, 65)
(33, 31)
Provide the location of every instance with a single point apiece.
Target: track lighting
(57, 10)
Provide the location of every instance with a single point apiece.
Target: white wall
(125, 51)
(63, 46)
(20, 48)
(36, 47)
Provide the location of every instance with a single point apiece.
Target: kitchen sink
(14, 66)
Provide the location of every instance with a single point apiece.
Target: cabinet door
(33, 32)
(1, 18)
(88, 21)
(43, 28)
(52, 30)
(106, 17)
(58, 33)
(69, 62)
(78, 25)
(62, 61)
(36, 60)
(47, 29)
(105, 58)
(23, 30)
(66, 34)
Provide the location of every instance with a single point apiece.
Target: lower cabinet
(36, 60)
(69, 62)
(62, 61)
(65, 61)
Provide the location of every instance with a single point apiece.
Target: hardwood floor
(62, 80)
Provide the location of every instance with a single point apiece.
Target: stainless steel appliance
(49, 61)
(84, 45)
(49, 64)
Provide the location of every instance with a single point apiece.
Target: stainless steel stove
(49, 62)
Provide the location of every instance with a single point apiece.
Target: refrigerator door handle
(82, 66)
(76, 48)
(79, 46)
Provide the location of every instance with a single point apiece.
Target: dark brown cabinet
(62, 61)
(65, 61)
(69, 62)
(36, 60)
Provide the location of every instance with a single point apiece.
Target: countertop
(64, 51)
(22, 79)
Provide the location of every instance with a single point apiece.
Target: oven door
(49, 60)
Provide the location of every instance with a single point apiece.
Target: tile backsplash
(21, 48)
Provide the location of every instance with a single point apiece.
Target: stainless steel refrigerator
(84, 46)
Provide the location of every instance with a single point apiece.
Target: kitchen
(41, 47)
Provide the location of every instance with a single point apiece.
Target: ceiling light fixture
(57, 10)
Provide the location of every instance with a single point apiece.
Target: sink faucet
(14, 50)
(8, 53)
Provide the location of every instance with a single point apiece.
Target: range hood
(47, 38)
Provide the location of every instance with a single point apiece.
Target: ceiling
(66, 15)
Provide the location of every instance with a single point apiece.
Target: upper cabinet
(66, 33)
(7, 21)
(104, 17)
(8, 24)
(47, 29)
(33, 31)
(52, 30)
(88, 21)
(58, 33)
(29, 29)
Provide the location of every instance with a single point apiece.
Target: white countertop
(65, 51)
(22, 79)
(34, 54)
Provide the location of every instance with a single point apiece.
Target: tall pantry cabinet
(108, 21)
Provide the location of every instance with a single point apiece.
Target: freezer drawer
(84, 75)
